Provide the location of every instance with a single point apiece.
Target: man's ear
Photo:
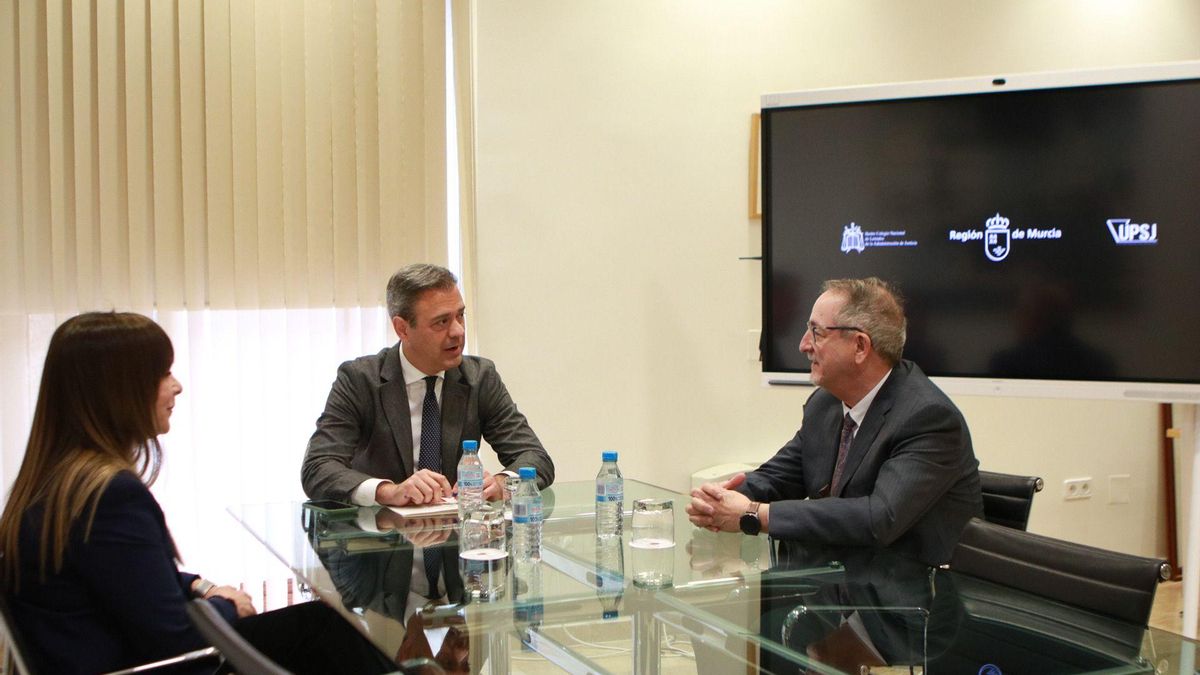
(401, 327)
(862, 347)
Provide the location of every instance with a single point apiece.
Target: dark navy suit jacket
(119, 600)
(910, 482)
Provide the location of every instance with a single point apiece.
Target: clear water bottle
(527, 518)
(610, 575)
(470, 480)
(610, 497)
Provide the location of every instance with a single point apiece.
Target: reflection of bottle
(610, 496)
(610, 575)
(527, 518)
(470, 480)
(527, 599)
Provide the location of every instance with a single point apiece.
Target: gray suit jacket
(911, 480)
(365, 430)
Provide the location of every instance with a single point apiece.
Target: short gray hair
(876, 307)
(406, 286)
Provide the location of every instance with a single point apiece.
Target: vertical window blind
(249, 173)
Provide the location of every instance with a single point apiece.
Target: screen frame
(988, 386)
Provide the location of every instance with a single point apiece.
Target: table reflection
(851, 608)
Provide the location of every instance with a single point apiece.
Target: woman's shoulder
(125, 483)
(125, 492)
(126, 513)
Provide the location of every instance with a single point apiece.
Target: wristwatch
(749, 522)
(202, 587)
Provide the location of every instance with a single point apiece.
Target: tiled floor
(1167, 612)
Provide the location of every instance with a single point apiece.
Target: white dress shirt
(859, 412)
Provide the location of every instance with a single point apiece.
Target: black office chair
(1114, 584)
(16, 662)
(1007, 498)
(1048, 605)
(237, 652)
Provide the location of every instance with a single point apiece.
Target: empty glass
(652, 543)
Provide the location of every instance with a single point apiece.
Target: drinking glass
(652, 543)
(508, 489)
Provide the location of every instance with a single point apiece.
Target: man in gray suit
(883, 457)
(367, 446)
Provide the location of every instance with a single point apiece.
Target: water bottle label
(470, 478)
(525, 512)
(610, 492)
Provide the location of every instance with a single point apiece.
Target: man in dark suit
(375, 443)
(883, 457)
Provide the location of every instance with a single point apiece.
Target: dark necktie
(848, 426)
(431, 458)
(431, 430)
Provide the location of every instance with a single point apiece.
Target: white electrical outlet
(1118, 488)
(1077, 488)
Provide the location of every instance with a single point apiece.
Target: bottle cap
(528, 472)
(471, 445)
(609, 455)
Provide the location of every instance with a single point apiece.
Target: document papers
(446, 506)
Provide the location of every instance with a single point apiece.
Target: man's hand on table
(717, 507)
(423, 487)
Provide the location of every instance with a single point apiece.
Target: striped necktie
(848, 426)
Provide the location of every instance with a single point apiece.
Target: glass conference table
(734, 604)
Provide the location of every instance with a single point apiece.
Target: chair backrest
(1007, 498)
(1109, 583)
(14, 645)
(238, 653)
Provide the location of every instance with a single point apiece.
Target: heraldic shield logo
(852, 239)
(997, 241)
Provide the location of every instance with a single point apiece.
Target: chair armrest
(195, 655)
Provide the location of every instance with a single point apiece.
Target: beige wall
(612, 163)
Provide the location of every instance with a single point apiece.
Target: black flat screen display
(1048, 234)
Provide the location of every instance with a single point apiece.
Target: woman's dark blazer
(119, 599)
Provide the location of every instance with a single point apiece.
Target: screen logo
(1127, 233)
(852, 239)
(855, 238)
(997, 239)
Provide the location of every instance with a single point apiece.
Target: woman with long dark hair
(89, 567)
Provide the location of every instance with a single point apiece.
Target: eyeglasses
(819, 333)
